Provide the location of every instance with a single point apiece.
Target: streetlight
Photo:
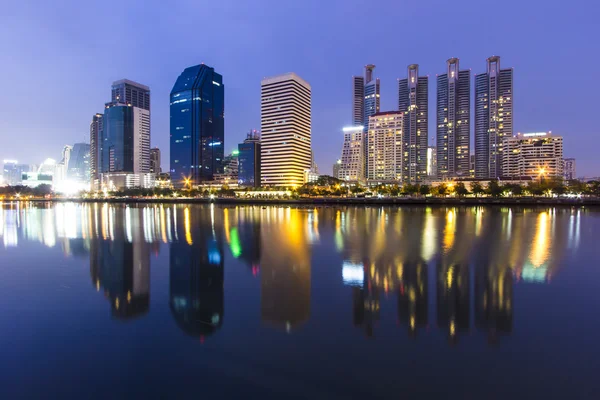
(541, 172)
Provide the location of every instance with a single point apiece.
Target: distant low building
(538, 154)
(310, 176)
(336, 169)
(125, 180)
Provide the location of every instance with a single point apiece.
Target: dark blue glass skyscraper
(197, 125)
(249, 161)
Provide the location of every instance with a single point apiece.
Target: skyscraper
(358, 100)
(366, 102)
(249, 160)
(453, 121)
(286, 130)
(372, 99)
(197, 125)
(155, 161)
(412, 100)
(493, 117)
(385, 147)
(96, 127)
(125, 142)
(351, 166)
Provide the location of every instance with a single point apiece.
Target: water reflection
(196, 275)
(435, 265)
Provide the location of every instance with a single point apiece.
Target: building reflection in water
(120, 267)
(242, 228)
(425, 257)
(196, 272)
(285, 268)
(452, 282)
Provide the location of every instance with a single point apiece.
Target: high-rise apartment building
(570, 169)
(536, 155)
(493, 118)
(385, 147)
(197, 126)
(286, 130)
(96, 127)
(155, 161)
(413, 102)
(358, 101)
(453, 121)
(249, 160)
(366, 102)
(351, 166)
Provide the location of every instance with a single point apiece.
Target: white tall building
(385, 147)
(535, 155)
(286, 130)
(352, 163)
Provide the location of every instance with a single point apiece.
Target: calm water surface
(163, 301)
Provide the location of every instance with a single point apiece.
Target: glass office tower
(116, 150)
(249, 161)
(197, 125)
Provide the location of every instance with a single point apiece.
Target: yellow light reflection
(541, 243)
(186, 222)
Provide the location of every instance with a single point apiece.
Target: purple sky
(59, 59)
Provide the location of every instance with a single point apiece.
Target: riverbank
(400, 201)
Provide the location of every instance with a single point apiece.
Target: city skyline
(537, 60)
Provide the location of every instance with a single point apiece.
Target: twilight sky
(60, 57)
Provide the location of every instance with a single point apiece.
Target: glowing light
(352, 274)
(353, 128)
(235, 245)
(539, 250)
(449, 277)
(186, 223)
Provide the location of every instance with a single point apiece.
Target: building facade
(249, 161)
(96, 127)
(79, 163)
(352, 163)
(197, 105)
(365, 102)
(336, 168)
(432, 162)
(124, 147)
(385, 147)
(155, 167)
(413, 101)
(534, 155)
(493, 118)
(453, 121)
(286, 130)
(570, 169)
